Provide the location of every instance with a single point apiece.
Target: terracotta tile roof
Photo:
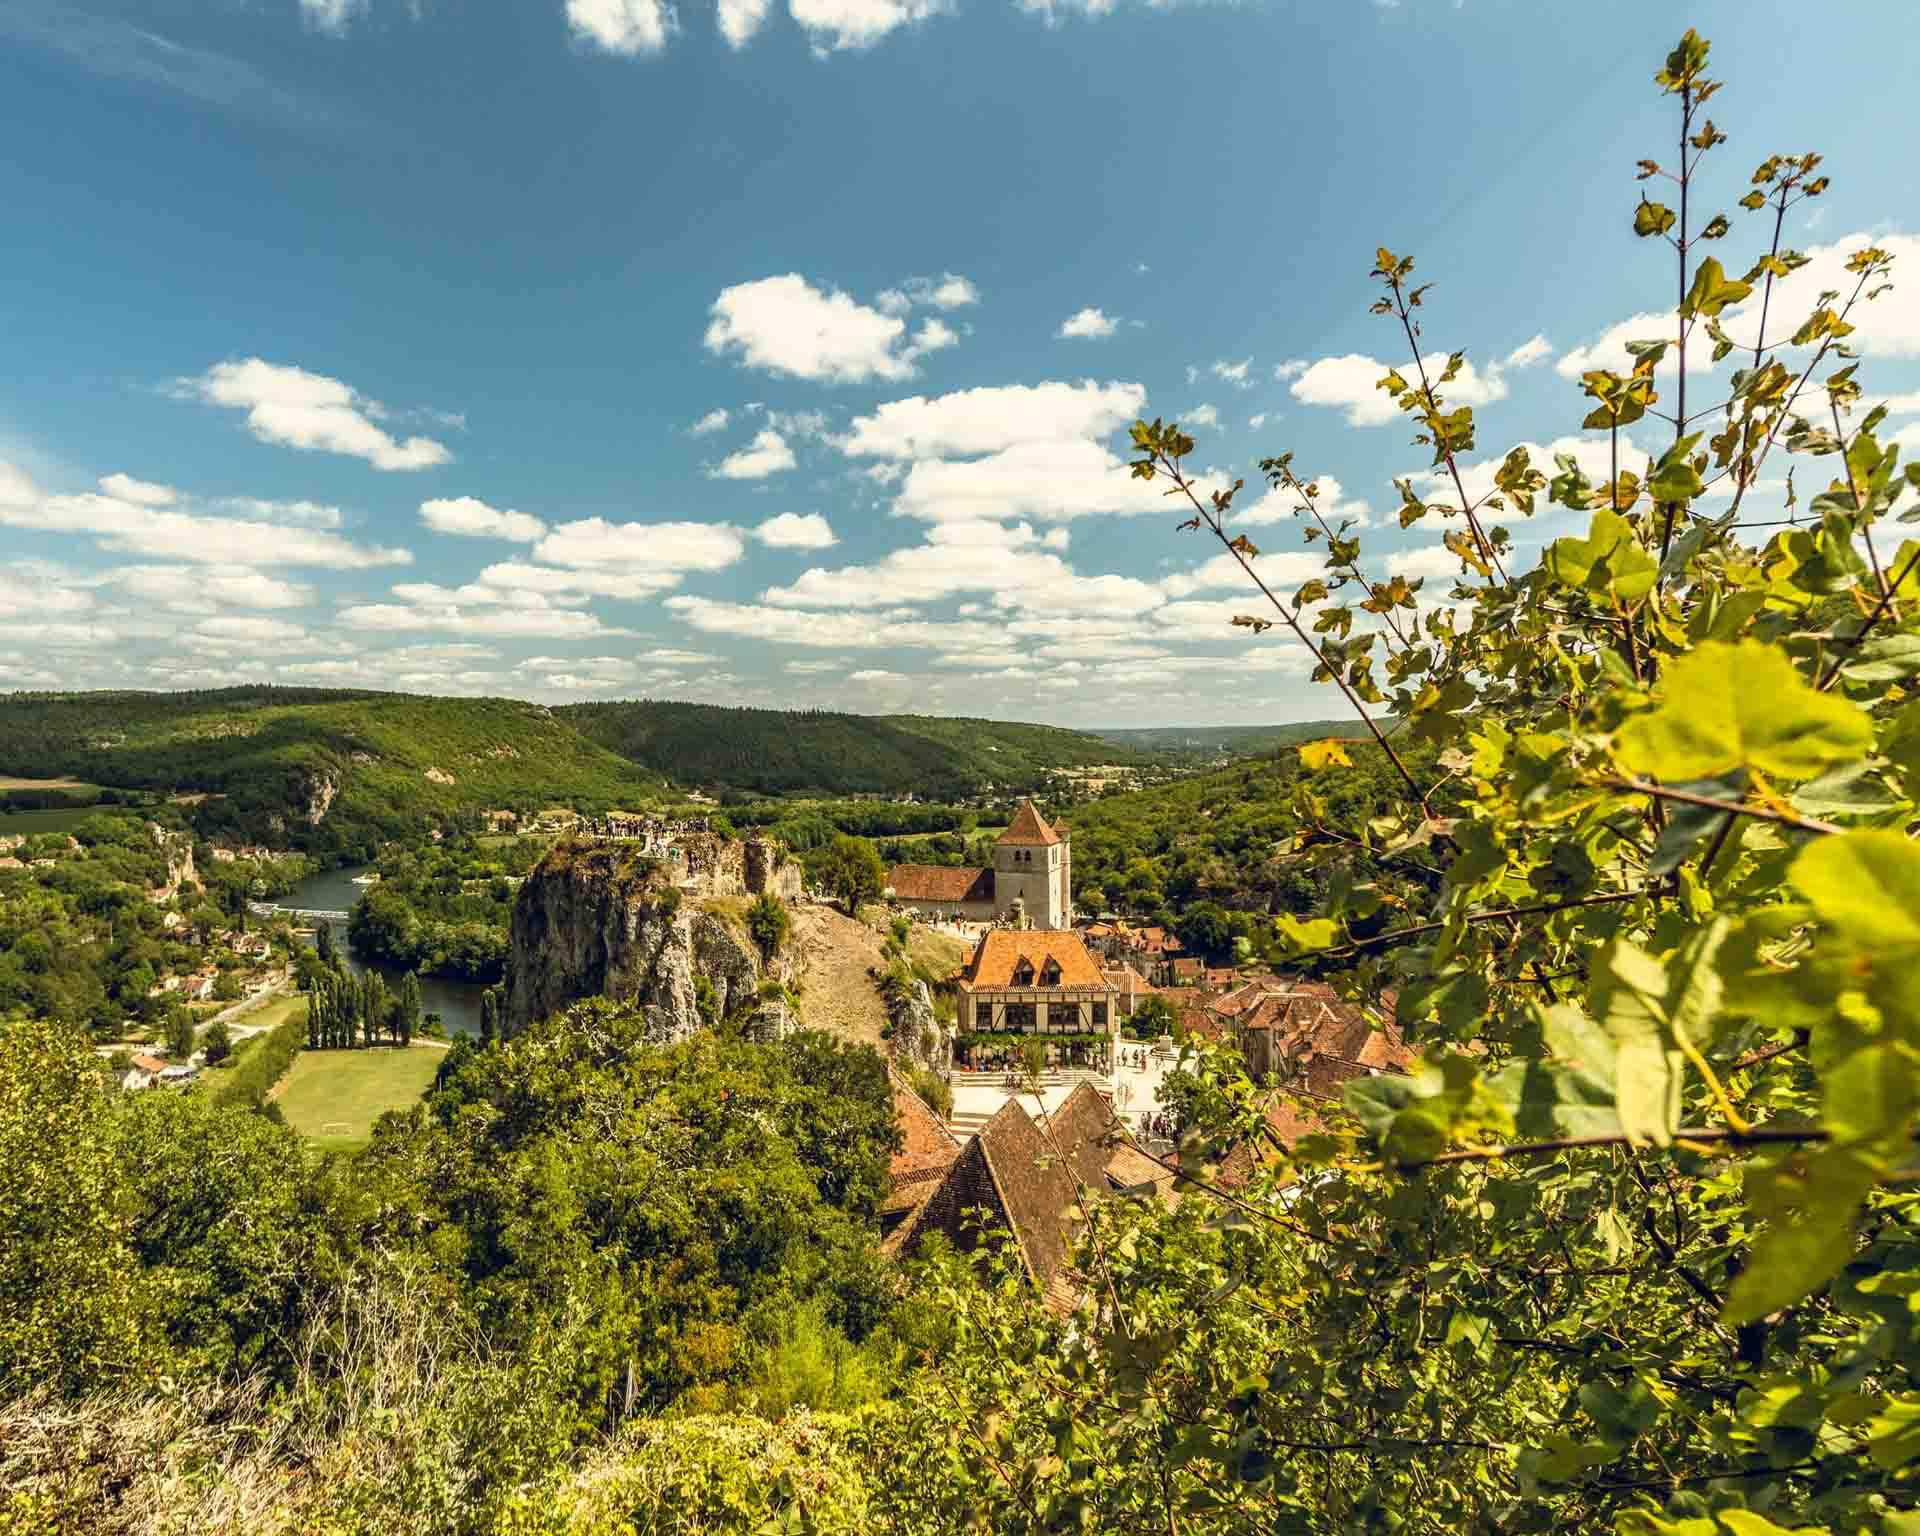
(1001, 949)
(1197, 1021)
(940, 882)
(925, 1140)
(1011, 1171)
(1128, 1167)
(1290, 1117)
(1029, 829)
(1187, 968)
(1316, 1020)
(149, 1063)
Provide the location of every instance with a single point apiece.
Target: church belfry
(1032, 862)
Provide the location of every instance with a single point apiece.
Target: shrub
(934, 1089)
(253, 1078)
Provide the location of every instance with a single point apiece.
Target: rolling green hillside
(273, 757)
(1217, 838)
(777, 751)
(1218, 741)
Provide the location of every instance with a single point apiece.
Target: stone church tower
(1033, 862)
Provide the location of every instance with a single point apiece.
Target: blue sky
(781, 354)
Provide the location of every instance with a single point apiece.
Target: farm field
(333, 1097)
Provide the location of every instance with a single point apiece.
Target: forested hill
(1218, 741)
(325, 770)
(1218, 839)
(776, 751)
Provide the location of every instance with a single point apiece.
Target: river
(333, 890)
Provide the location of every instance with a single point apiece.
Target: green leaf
(1744, 1522)
(1712, 290)
(1609, 558)
(1629, 1000)
(1652, 219)
(1314, 933)
(1865, 886)
(1740, 706)
(1810, 1238)
(1893, 1437)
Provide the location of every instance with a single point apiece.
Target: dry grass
(364, 1429)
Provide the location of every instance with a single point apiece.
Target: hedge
(249, 1083)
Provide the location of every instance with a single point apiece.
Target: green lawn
(333, 1097)
(35, 823)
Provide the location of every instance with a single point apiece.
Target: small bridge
(271, 909)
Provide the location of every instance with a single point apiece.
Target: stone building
(1037, 982)
(1304, 1036)
(1032, 877)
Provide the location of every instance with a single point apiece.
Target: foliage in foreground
(1634, 1250)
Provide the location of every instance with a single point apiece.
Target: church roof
(939, 882)
(1002, 949)
(1029, 829)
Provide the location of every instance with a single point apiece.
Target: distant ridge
(1226, 740)
(771, 751)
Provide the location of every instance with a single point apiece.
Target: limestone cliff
(597, 921)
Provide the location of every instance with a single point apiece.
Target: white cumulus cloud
(785, 325)
(740, 19)
(796, 530)
(311, 412)
(594, 543)
(622, 26)
(1350, 383)
(714, 421)
(1533, 350)
(165, 532)
(976, 421)
(1088, 324)
(834, 25)
(471, 518)
(767, 454)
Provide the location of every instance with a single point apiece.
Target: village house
(1038, 982)
(1018, 1184)
(1031, 879)
(1131, 989)
(928, 1148)
(142, 1072)
(1305, 1036)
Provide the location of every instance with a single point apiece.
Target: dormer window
(1050, 973)
(1023, 972)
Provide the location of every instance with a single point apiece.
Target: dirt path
(834, 953)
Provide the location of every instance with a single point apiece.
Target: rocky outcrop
(321, 789)
(706, 864)
(918, 1037)
(596, 921)
(177, 847)
(766, 867)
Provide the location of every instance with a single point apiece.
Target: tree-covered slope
(1215, 741)
(774, 751)
(327, 770)
(1224, 837)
